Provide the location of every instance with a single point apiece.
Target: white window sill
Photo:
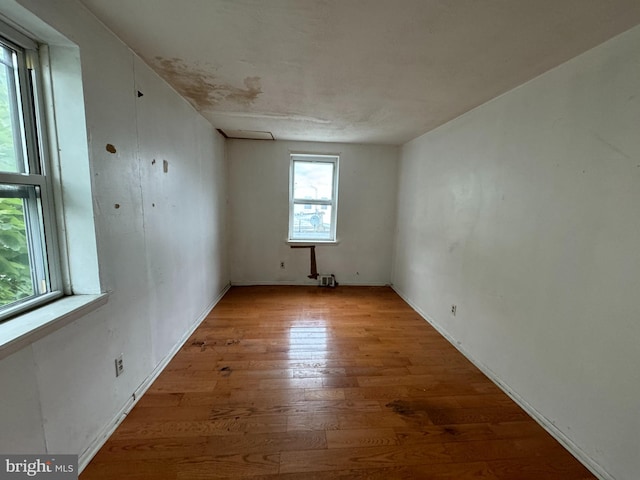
(309, 243)
(29, 327)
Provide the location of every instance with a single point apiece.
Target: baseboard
(306, 284)
(93, 448)
(544, 422)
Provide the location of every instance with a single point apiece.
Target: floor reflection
(308, 339)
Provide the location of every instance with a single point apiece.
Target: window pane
(11, 136)
(313, 180)
(22, 266)
(311, 222)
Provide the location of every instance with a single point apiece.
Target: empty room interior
(321, 239)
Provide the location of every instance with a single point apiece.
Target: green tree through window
(15, 271)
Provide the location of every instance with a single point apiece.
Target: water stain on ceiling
(202, 88)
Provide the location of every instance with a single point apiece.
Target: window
(29, 265)
(313, 195)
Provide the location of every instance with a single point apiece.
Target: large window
(29, 272)
(313, 198)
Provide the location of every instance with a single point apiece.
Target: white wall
(162, 253)
(524, 213)
(259, 198)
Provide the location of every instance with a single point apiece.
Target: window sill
(29, 327)
(309, 243)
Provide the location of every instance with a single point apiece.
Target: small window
(313, 195)
(29, 272)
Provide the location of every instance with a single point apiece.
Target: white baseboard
(544, 422)
(310, 283)
(102, 437)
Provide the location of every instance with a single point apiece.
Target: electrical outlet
(119, 365)
(454, 309)
(281, 264)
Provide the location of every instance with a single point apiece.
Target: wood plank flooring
(311, 383)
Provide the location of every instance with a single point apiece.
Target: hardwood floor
(312, 383)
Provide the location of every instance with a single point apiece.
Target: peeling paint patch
(165, 166)
(110, 148)
(202, 88)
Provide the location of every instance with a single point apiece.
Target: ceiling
(365, 71)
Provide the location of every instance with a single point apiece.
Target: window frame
(40, 222)
(334, 160)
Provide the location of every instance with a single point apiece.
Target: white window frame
(333, 159)
(42, 232)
